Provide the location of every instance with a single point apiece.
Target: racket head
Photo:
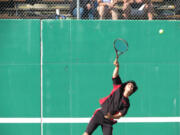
(120, 46)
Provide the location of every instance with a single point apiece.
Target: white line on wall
(86, 120)
(41, 76)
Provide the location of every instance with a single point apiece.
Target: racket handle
(117, 56)
(116, 63)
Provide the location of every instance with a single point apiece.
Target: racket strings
(120, 46)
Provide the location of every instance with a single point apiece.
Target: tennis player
(114, 106)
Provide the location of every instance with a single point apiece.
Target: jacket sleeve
(117, 81)
(124, 110)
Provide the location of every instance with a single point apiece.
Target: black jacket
(115, 102)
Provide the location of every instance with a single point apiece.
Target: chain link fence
(90, 9)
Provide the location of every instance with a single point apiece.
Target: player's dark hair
(135, 87)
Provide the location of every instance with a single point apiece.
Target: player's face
(129, 87)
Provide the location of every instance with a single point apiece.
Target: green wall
(20, 75)
(77, 69)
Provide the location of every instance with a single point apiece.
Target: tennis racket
(120, 46)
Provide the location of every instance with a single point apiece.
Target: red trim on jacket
(115, 88)
(95, 113)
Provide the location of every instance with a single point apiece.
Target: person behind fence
(177, 7)
(137, 9)
(91, 9)
(106, 7)
(87, 8)
(73, 7)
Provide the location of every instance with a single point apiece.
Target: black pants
(99, 120)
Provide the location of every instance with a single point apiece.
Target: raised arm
(116, 69)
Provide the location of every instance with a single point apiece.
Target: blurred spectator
(137, 8)
(177, 7)
(73, 7)
(87, 7)
(106, 7)
(91, 9)
(58, 16)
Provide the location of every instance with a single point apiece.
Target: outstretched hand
(116, 63)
